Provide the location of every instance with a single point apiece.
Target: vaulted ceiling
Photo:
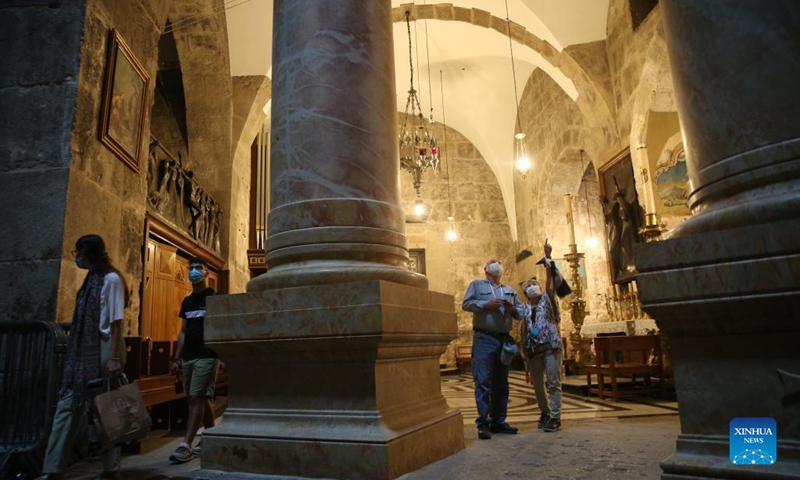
(473, 59)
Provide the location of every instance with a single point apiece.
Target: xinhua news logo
(753, 441)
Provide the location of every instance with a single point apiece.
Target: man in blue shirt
(493, 305)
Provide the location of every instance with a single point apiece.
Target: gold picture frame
(124, 103)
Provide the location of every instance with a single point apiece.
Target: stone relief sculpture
(177, 196)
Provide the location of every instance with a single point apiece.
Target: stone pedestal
(335, 381)
(725, 288)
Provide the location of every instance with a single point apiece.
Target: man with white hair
(493, 305)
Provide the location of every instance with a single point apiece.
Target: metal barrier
(31, 361)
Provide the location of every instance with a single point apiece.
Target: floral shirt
(541, 325)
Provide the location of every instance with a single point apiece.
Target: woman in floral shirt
(543, 345)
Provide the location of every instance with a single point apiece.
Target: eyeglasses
(75, 253)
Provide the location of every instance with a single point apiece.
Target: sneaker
(182, 455)
(484, 433)
(196, 449)
(552, 425)
(503, 428)
(543, 419)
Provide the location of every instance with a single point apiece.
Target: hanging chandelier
(418, 149)
(521, 159)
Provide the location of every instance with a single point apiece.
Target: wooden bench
(464, 358)
(634, 355)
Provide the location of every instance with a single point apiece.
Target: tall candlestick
(570, 223)
(647, 180)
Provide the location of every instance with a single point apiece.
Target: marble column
(725, 287)
(335, 199)
(333, 354)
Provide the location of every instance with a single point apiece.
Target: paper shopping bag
(120, 415)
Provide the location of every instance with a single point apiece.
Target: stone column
(725, 287)
(334, 353)
(335, 196)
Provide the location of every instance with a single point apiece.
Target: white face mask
(494, 269)
(533, 291)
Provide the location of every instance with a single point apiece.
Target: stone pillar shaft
(725, 287)
(334, 352)
(334, 193)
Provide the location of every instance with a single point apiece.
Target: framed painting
(622, 215)
(416, 260)
(672, 183)
(124, 103)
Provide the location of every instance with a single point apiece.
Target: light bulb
(451, 234)
(521, 160)
(419, 208)
(591, 242)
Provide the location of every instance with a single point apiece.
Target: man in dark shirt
(193, 358)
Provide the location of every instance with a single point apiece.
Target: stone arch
(590, 100)
(579, 177)
(201, 39)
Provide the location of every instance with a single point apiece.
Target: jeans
(491, 379)
(549, 363)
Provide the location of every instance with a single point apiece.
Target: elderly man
(493, 305)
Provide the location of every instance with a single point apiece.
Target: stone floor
(599, 439)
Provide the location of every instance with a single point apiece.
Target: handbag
(120, 415)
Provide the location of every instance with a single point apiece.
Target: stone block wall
(480, 219)
(40, 51)
(105, 196)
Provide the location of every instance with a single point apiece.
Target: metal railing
(31, 361)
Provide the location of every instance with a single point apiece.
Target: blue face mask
(79, 262)
(196, 276)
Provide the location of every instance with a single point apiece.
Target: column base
(729, 301)
(333, 381)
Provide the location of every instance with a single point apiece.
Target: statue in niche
(197, 225)
(168, 170)
(180, 182)
(216, 223)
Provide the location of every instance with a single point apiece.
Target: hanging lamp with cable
(522, 160)
(451, 234)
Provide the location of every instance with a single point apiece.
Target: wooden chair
(635, 355)
(464, 357)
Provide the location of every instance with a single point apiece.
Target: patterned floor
(459, 392)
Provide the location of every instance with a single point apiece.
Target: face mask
(196, 276)
(533, 291)
(79, 262)
(495, 269)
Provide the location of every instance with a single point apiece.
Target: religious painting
(672, 183)
(124, 103)
(416, 260)
(622, 213)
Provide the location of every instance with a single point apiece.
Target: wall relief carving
(173, 192)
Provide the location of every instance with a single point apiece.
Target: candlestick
(570, 223)
(647, 183)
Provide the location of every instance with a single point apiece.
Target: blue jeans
(491, 379)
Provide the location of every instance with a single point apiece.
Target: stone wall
(104, 195)
(480, 220)
(556, 132)
(40, 46)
